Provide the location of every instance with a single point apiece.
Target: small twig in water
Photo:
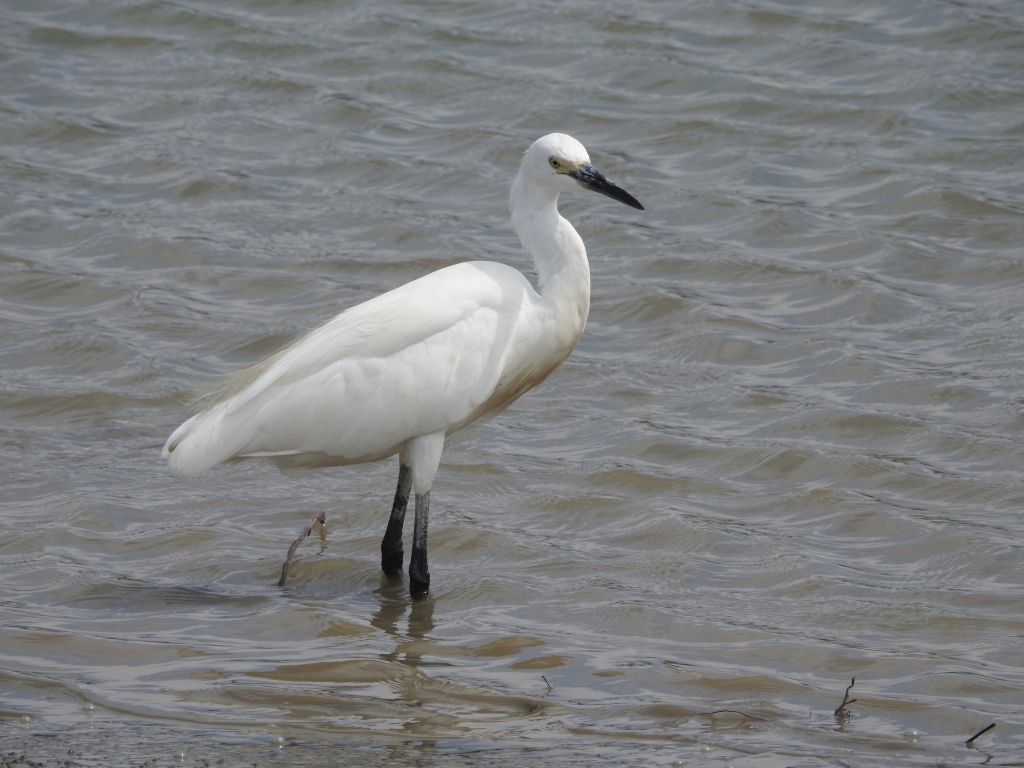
(551, 687)
(320, 518)
(735, 712)
(841, 710)
(986, 729)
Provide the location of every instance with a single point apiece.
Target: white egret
(403, 371)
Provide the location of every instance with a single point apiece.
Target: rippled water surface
(786, 452)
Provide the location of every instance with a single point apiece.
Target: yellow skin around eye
(562, 166)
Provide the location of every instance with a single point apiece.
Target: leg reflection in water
(394, 601)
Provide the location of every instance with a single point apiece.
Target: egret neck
(558, 253)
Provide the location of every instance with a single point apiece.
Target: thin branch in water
(735, 712)
(320, 518)
(841, 710)
(986, 729)
(550, 687)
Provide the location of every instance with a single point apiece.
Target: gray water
(786, 452)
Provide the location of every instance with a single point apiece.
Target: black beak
(588, 176)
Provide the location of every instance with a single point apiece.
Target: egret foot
(419, 577)
(419, 589)
(419, 580)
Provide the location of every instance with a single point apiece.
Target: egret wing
(406, 363)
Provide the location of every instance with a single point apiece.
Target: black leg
(419, 576)
(391, 553)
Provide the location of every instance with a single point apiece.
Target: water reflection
(394, 602)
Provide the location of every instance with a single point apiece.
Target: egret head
(561, 161)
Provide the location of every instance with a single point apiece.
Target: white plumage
(400, 372)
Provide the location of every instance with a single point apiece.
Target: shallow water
(786, 452)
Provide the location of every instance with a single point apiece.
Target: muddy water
(786, 452)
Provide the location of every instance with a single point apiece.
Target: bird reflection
(394, 601)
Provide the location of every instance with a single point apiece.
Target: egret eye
(554, 163)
